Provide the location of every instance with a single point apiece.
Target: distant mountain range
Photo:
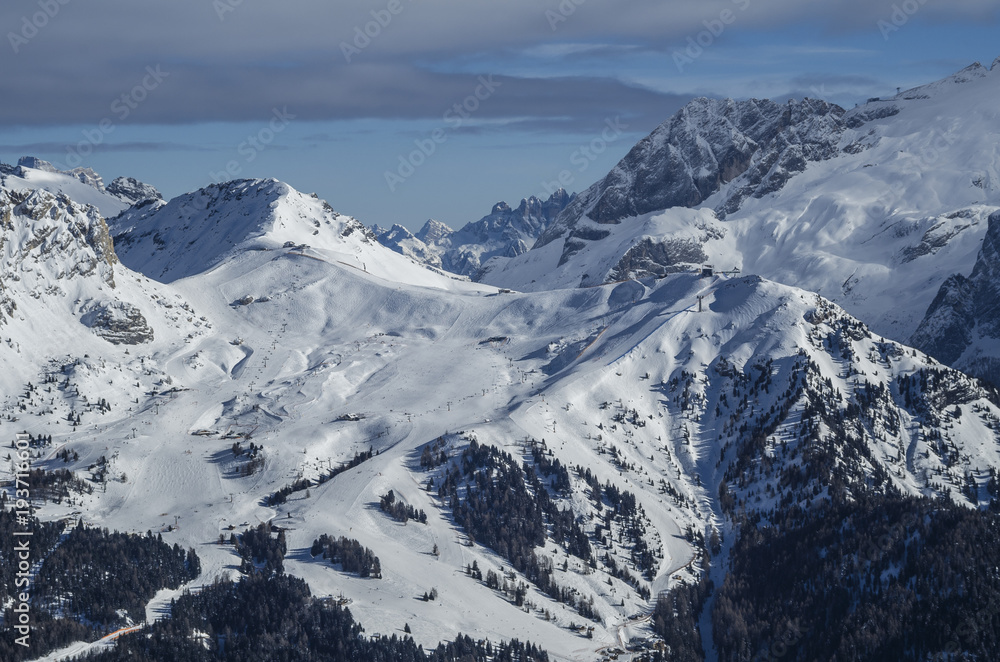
(505, 232)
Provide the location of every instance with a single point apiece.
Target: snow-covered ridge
(83, 185)
(945, 86)
(194, 232)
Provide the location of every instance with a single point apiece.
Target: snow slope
(628, 380)
(198, 231)
(71, 314)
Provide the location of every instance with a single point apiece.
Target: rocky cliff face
(964, 318)
(118, 322)
(44, 230)
(751, 147)
(52, 247)
(36, 163)
(133, 191)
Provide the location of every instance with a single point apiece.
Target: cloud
(230, 60)
(51, 147)
(191, 94)
(570, 50)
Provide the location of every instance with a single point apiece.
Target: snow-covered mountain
(541, 464)
(874, 207)
(705, 146)
(404, 242)
(690, 396)
(196, 232)
(505, 232)
(69, 308)
(132, 190)
(83, 185)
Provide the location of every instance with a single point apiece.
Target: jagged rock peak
(504, 232)
(132, 190)
(560, 197)
(398, 231)
(88, 177)
(36, 163)
(433, 231)
(703, 147)
(404, 242)
(49, 229)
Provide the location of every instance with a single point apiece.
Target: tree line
(272, 618)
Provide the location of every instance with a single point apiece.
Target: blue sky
(446, 106)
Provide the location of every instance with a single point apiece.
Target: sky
(397, 111)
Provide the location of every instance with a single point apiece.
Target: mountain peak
(812, 196)
(973, 72)
(433, 231)
(193, 232)
(402, 241)
(505, 232)
(560, 197)
(709, 143)
(36, 163)
(84, 175)
(88, 177)
(83, 185)
(49, 238)
(132, 190)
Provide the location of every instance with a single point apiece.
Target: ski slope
(414, 362)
